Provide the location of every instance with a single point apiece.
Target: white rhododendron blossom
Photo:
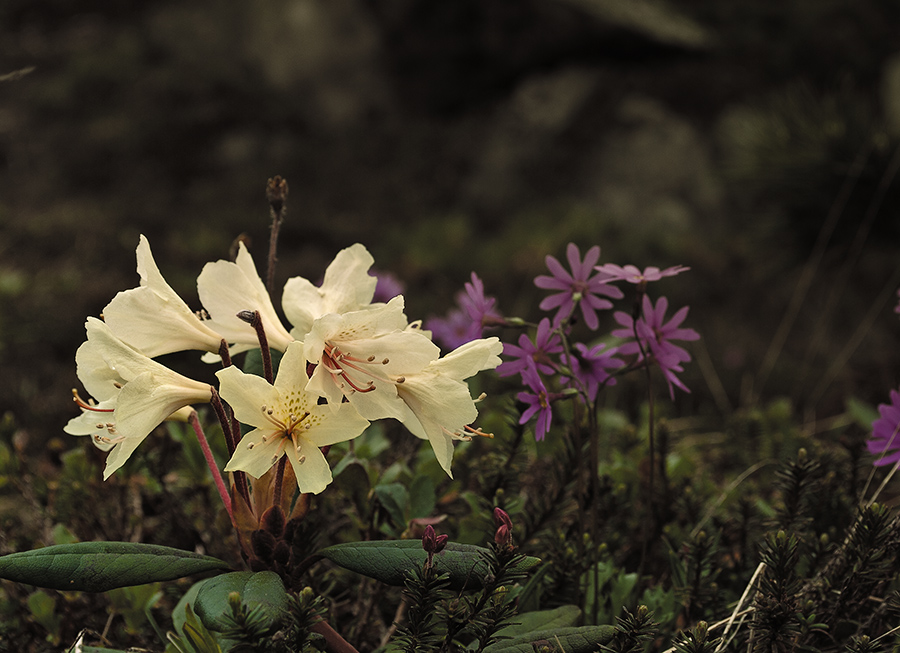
(363, 355)
(366, 361)
(347, 286)
(153, 319)
(288, 422)
(438, 406)
(135, 394)
(226, 289)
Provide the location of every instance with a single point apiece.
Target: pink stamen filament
(338, 362)
(83, 405)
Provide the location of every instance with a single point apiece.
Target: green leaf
(421, 497)
(263, 589)
(395, 499)
(861, 412)
(389, 560)
(585, 639)
(197, 635)
(253, 361)
(102, 566)
(528, 622)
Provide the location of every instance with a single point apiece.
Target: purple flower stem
(254, 319)
(230, 429)
(211, 463)
(279, 481)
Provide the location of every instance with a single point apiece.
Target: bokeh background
(743, 138)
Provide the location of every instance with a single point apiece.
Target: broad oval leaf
(584, 639)
(102, 566)
(389, 561)
(262, 588)
(527, 622)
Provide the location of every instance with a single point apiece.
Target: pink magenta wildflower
(479, 308)
(576, 288)
(546, 343)
(655, 336)
(538, 402)
(633, 274)
(884, 441)
(467, 322)
(591, 367)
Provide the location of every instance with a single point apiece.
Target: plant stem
(276, 194)
(194, 420)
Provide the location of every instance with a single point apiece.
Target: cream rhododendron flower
(135, 394)
(226, 289)
(153, 318)
(288, 421)
(438, 406)
(363, 355)
(347, 286)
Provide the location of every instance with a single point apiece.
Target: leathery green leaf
(389, 560)
(263, 589)
(585, 639)
(102, 566)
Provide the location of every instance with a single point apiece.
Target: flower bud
(502, 518)
(273, 521)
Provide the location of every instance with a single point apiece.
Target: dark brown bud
(282, 553)
(263, 545)
(277, 192)
(273, 521)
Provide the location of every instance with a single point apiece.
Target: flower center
(346, 369)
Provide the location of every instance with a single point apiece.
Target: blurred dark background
(457, 136)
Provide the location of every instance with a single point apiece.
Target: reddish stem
(194, 421)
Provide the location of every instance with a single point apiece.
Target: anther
(301, 459)
(401, 379)
(250, 445)
(371, 358)
(386, 361)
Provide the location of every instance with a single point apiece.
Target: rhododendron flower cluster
(365, 360)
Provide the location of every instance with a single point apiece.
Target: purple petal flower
(454, 330)
(538, 402)
(632, 274)
(591, 367)
(654, 335)
(479, 308)
(885, 441)
(387, 287)
(466, 323)
(546, 343)
(577, 288)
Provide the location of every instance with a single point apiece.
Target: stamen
(86, 405)
(301, 459)
(250, 445)
(386, 361)
(371, 358)
(479, 432)
(480, 397)
(401, 379)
